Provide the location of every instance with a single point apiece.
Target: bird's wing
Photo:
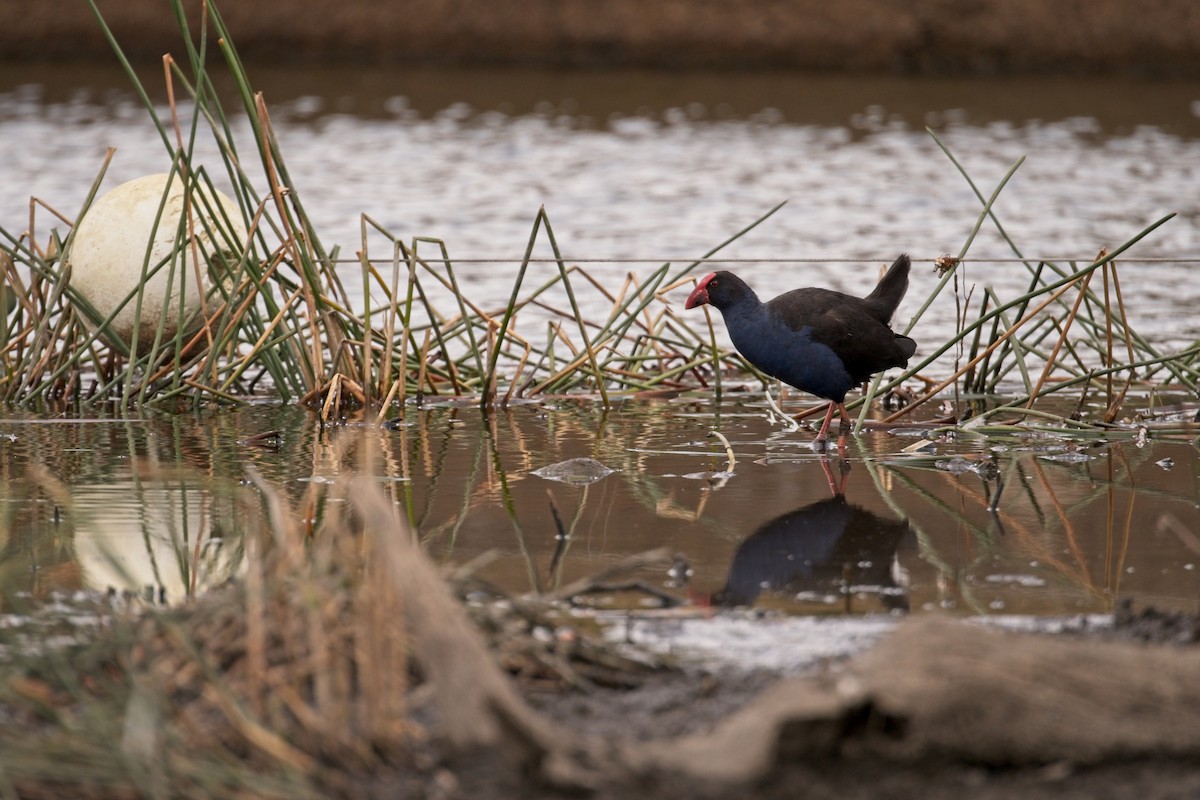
(800, 307)
(864, 344)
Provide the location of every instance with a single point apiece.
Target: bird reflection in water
(830, 547)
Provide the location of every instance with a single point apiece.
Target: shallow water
(656, 167)
(1114, 519)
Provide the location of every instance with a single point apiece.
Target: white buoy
(109, 252)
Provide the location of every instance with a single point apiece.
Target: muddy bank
(898, 36)
(939, 709)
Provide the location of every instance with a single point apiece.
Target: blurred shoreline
(1158, 39)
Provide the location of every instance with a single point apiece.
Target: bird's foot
(820, 445)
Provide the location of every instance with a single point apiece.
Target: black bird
(819, 341)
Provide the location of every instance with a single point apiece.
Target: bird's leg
(821, 434)
(843, 429)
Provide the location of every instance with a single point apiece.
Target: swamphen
(820, 341)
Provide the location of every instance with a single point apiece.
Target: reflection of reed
(459, 476)
(471, 468)
(949, 570)
(1051, 524)
(138, 505)
(508, 445)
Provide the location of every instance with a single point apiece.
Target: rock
(575, 471)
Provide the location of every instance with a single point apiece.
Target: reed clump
(1064, 333)
(281, 320)
(284, 322)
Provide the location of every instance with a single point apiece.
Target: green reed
(1088, 333)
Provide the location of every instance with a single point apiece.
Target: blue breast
(790, 355)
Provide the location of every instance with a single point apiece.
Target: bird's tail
(888, 293)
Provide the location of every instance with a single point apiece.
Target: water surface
(1078, 523)
(664, 166)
